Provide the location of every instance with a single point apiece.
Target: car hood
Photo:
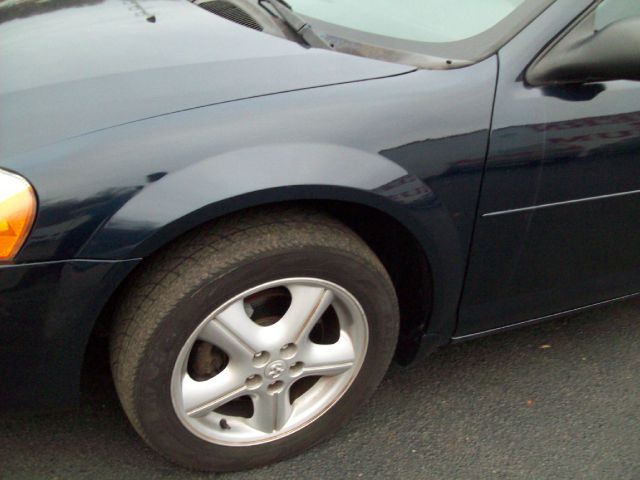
(69, 67)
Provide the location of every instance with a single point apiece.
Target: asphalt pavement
(559, 400)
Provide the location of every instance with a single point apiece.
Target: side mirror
(612, 53)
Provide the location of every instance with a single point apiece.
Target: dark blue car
(261, 203)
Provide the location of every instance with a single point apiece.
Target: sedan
(261, 204)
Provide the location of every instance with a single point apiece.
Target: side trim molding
(533, 321)
(557, 204)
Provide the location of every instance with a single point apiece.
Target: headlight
(17, 211)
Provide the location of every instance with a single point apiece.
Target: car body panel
(133, 154)
(48, 311)
(557, 221)
(86, 66)
(420, 165)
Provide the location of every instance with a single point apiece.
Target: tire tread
(160, 283)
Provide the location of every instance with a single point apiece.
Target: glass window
(424, 33)
(611, 11)
(416, 20)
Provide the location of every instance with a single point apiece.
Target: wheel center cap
(275, 369)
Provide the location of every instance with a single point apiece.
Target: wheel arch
(389, 231)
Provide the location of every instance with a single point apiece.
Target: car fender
(251, 177)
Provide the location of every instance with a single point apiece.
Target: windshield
(417, 20)
(461, 30)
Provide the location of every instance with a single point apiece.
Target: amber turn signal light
(17, 211)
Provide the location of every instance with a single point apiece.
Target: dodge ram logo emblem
(275, 369)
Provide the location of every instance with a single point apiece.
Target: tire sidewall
(152, 395)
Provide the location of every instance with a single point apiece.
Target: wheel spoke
(307, 306)
(264, 359)
(271, 411)
(328, 360)
(199, 398)
(218, 334)
(233, 331)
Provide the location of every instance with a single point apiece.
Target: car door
(558, 225)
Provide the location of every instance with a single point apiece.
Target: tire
(196, 350)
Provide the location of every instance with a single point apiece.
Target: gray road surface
(559, 401)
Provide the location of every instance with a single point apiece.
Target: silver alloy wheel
(264, 362)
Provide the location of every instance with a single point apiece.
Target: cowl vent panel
(231, 12)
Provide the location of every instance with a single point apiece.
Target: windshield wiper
(297, 24)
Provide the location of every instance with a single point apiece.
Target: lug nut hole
(289, 350)
(296, 368)
(261, 359)
(275, 387)
(253, 382)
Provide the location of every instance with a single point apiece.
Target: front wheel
(253, 339)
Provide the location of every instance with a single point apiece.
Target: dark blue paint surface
(47, 311)
(133, 133)
(570, 156)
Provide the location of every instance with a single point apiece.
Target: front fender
(250, 177)
(411, 146)
(256, 176)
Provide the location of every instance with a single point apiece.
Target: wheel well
(397, 248)
(404, 259)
